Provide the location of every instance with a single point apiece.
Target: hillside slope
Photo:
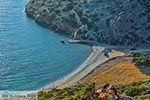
(116, 22)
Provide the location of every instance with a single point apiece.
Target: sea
(31, 56)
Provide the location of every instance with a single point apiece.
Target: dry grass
(120, 71)
(115, 53)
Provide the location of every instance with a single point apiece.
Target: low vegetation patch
(137, 90)
(86, 91)
(143, 97)
(141, 58)
(77, 92)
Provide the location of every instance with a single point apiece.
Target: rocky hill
(115, 22)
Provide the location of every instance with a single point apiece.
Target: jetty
(81, 41)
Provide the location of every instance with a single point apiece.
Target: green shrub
(146, 92)
(85, 91)
(135, 91)
(141, 58)
(143, 97)
(76, 92)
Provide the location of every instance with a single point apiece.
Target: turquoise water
(31, 56)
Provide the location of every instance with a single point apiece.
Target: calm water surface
(31, 56)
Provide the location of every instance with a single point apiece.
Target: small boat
(71, 36)
(62, 41)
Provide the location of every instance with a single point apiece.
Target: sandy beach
(95, 59)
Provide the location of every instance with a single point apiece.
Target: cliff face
(116, 22)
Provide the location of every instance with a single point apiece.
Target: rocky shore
(117, 22)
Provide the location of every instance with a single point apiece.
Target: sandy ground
(117, 71)
(15, 98)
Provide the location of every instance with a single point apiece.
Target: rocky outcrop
(116, 22)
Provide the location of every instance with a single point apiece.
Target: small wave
(17, 94)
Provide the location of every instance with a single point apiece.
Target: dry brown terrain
(118, 71)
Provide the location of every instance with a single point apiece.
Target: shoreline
(73, 75)
(71, 78)
(92, 62)
(95, 59)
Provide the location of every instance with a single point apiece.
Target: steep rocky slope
(116, 22)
